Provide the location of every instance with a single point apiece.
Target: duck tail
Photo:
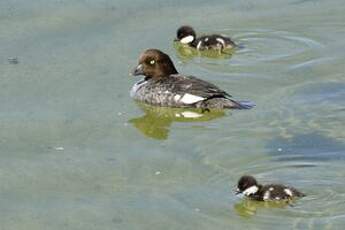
(224, 103)
(240, 104)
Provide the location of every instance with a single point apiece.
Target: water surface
(78, 153)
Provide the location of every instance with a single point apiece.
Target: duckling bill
(164, 86)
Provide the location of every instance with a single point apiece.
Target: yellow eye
(152, 62)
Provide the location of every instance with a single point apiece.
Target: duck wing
(192, 89)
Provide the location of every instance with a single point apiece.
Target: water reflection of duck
(248, 208)
(186, 53)
(156, 121)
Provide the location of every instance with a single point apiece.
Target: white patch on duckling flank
(199, 44)
(187, 39)
(251, 190)
(267, 195)
(191, 99)
(221, 41)
(288, 192)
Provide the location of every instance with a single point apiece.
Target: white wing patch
(177, 97)
(187, 39)
(288, 192)
(191, 99)
(251, 190)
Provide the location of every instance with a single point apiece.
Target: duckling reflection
(248, 208)
(156, 121)
(186, 53)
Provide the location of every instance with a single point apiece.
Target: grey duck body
(182, 91)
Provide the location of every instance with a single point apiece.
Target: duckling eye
(152, 62)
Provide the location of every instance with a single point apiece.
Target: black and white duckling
(187, 35)
(164, 86)
(248, 186)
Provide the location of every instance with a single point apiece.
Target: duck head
(155, 64)
(247, 185)
(186, 34)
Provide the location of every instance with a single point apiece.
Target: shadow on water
(186, 53)
(310, 146)
(156, 121)
(248, 208)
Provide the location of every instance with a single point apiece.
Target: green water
(77, 152)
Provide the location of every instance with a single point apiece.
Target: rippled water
(78, 153)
